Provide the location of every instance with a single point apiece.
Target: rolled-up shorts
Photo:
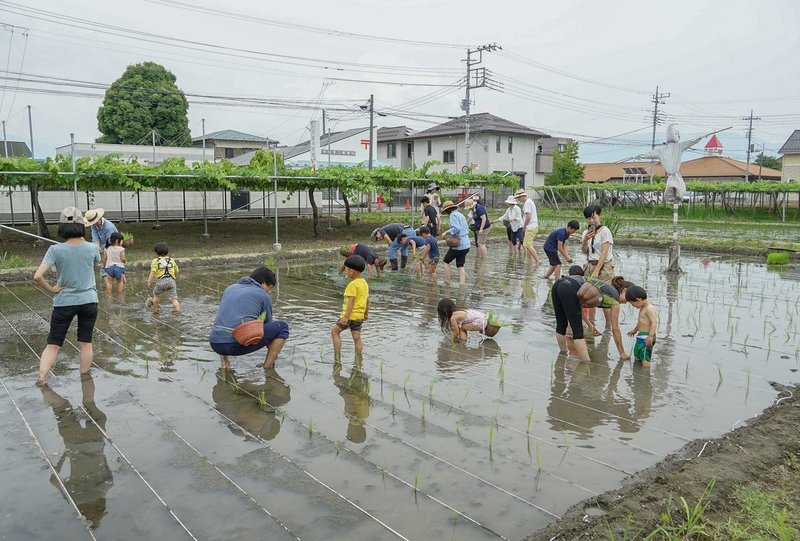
(460, 257)
(553, 258)
(272, 330)
(61, 318)
(606, 273)
(353, 324)
(166, 284)
(115, 271)
(527, 241)
(480, 237)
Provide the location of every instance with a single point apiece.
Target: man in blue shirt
(245, 301)
(557, 242)
(459, 229)
(102, 230)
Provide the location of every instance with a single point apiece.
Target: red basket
(249, 333)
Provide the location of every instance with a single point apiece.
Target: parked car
(694, 197)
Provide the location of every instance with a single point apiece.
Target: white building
(228, 144)
(497, 146)
(395, 146)
(145, 154)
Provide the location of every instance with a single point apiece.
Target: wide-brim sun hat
(432, 186)
(71, 215)
(448, 206)
(510, 200)
(93, 215)
(520, 193)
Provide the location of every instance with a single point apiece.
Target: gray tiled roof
(481, 122)
(15, 149)
(296, 150)
(792, 144)
(232, 135)
(394, 133)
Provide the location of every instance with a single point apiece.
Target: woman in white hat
(512, 219)
(75, 291)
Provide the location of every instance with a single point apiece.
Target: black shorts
(552, 257)
(460, 257)
(353, 324)
(61, 318)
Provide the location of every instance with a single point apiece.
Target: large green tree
(143, 99)
(566, 169)
(769, 161)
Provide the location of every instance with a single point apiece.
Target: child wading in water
(355, 309)
(164, 271)
(646, 327)
(457, 321)
(114, 263)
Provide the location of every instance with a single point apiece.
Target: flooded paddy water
(424, 439)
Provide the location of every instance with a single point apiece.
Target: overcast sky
(583, 69)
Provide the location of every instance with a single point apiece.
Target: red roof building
(713, 147)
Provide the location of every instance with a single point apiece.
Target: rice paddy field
(420, 439)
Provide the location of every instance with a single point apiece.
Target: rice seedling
(337, 446)
(463, 399)
(383, 471)
(430, 390)
(423, 411)
(538, 457)
(405, 382)
(530, 420)
(747, 388)
(566, 441)
(262, 400)
(381, 370)
(497, 416)
(686, 371)
(459, 423)
(778, 258)
(393, 403)
(719, 373)
(416, 480)
(310, 428)
(305, 364)
(491, 437)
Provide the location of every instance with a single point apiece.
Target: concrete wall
(143, 153)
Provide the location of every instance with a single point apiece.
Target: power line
(296, 26)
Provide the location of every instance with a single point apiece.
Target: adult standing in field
(75, 291)
(242, 302)
(512, 220)
(430, 215)
(101, 229)
(481, 225)
(597, 243)
(389, 233)
(530, 223)
(458, 228)
(570, 295)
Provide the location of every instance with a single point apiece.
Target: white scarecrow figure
(670, 157)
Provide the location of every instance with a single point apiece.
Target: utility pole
(155, 189)
(5, 141)
(656, 101)
(34, 184)
(761, 161)
(479, 82)
(751, 118)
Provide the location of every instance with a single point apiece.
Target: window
(449, 156)
(510, 144)
(562, 147)
(391, 150)
(498, 144)
(410, 150)
(228, 153)
(430, 147)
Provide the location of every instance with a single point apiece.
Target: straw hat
(92, 216)
(71, 215)
(448, 206)
(520, 193)
(510, 200)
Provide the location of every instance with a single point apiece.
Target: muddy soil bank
(750, 454)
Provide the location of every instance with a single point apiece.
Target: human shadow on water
(252, 405)
(354, 390)
(90, 477)
(454, 357)
(586, 395)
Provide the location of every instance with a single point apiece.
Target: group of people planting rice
(244, 322)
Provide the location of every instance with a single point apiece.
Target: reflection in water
(89, 475)
(586, 395)
(251, 404)
(354, 390)
(454, 357)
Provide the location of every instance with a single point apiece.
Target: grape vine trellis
(109, 173)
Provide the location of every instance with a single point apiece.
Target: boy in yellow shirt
(163, 271)
(355, 308)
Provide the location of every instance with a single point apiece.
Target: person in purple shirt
(557, 242)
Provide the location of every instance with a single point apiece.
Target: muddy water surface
(423, 439)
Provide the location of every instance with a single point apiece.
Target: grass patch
(12, 261)
(778, 258)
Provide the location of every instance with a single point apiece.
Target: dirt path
(753, 455)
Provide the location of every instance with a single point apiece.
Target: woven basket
(249, 333)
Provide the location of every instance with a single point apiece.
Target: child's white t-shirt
(114, 256)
